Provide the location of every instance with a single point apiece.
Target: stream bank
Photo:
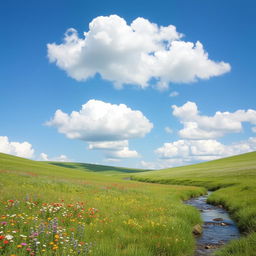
(218, 227)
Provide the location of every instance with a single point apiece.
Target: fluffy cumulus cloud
(101, 121)
(60, 158)
(104, 126)
(203, 150)
(133, 54)
(199, 133)
(197, 126)
(21, 149)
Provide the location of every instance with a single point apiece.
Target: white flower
(9, 237)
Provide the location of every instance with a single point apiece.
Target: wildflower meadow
(51, 210)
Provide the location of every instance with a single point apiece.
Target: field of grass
(234, 182)
(78, 209)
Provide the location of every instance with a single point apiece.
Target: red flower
(2, 237)
(6, 242)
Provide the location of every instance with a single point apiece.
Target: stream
(218, 228)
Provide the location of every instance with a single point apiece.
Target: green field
(53, 208)
(47, 209)
(234, 180)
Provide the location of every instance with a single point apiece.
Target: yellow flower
(57, 236)
(19, 246)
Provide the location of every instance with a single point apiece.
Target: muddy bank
(217, 229)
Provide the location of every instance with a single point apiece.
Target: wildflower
(2, 237)
(6, 242)
(19, 246)
(9, 237)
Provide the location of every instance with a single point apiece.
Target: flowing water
(218, 228)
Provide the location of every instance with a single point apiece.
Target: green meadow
(80, 209)
(233, 181)
(53, 208)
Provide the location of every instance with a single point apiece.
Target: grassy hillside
(47, 209)
(239, 169)
(234, 180)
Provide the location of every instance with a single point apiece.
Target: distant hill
(95, 167)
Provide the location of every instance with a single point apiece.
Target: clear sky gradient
(175, 125)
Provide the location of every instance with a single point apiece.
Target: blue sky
(170, 87)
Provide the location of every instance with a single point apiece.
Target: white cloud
(174, 94)
(114, 149)
(197, 126)
(168, 129)
(43, 157)
(109, 145)
(133, 54)
(122, 153)
(60, 158)
(104, 126)
(203, 150)
(163, 163)
(100, 121)
(148, 165)
(21, 149)
(254, 129)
